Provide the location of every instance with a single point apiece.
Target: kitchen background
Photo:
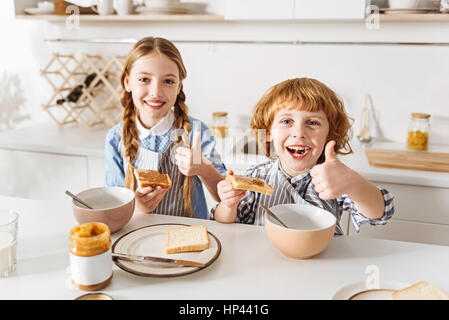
(403, 65)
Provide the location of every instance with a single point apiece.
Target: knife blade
(136, 258)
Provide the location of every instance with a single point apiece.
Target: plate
(150, 241)
(162, 10)
(359, 291)
(39, 11)
(407, 10)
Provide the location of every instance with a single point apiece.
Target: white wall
(232, 77)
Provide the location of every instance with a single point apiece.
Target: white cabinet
(259, 9)
(329, 9)
(421, 215)
(42, 176)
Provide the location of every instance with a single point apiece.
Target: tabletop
(249, 266)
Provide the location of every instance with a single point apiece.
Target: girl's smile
(298, 138)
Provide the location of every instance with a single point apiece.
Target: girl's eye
(169, 81)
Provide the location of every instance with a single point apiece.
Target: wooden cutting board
(408, 159)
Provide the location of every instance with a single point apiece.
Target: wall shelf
(425, 17)
(129, 18)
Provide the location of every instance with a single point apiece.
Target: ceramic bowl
(113, 206)
(310, 230)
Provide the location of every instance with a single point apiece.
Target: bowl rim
(104, 187)
(301, 230)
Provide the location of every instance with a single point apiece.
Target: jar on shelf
(90, 256)
(220, 124)
(418, 131)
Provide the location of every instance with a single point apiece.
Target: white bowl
(310, 230)
(403, 4)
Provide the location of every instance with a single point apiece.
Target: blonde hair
(309, 95)
(142, 48)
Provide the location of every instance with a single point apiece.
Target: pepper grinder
(365, 136)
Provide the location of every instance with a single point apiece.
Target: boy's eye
(286, 121)
(144, 79)
(313, 122)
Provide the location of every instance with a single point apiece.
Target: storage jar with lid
(418, 131)
(90, 256)
(220, 124)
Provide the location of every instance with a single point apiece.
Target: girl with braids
(154, 134)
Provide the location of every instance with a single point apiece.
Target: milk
(7, 253)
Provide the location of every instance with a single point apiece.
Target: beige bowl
(310, 231)
(113, 206)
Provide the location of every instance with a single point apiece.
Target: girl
(149, 137)
(306, 124)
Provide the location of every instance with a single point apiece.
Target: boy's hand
(190, 160)
(148, 198)
(229, 196)
(331, 178)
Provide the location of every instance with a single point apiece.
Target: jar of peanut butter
(220, 124)
(418, 131)
(90, 256)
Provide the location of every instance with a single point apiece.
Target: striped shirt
(301, 190)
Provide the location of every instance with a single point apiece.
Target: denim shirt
(115, 162)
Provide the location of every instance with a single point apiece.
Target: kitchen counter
(249, 267)
(79, 140)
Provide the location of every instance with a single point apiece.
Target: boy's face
(154, 83)
(299, 138)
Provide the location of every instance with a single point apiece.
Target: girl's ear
(126, 82)
(179, 87)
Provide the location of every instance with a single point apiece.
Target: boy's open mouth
(298, 151)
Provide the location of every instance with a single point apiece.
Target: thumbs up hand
(331, 178)
(190, 159)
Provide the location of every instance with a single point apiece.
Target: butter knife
(131, 257)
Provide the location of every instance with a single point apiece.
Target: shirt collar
(159, 128)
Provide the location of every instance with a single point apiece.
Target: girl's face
(154, 84)
(299, 138)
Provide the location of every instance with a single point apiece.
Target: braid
(129, 136)
(182, 121)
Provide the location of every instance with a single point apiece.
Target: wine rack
(86, 89)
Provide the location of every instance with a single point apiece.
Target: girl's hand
(190, 161)
(332, 178)
(148, 198)
(229, 196)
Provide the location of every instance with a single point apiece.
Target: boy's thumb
(329, 151)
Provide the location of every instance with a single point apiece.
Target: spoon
(71, 195)
(271, 214)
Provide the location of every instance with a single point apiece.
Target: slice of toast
(420, 291)
(151, 178)
(186, 239)
(249, 183)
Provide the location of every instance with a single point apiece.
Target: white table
(249, 267)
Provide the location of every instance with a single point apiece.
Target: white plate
(407, 10)
(150, 241)
(359, 291)
(39, 11)
(172, 10)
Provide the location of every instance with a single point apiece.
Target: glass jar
(90, 256)
(418, 131)
(220, 124)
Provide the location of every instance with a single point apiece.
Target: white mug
(124, 7)
(103, 7)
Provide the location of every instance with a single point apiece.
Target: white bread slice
(185, 239)
(420, 291)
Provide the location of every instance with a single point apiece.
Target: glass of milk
(8, 241)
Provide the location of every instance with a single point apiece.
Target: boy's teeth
(298, 150)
